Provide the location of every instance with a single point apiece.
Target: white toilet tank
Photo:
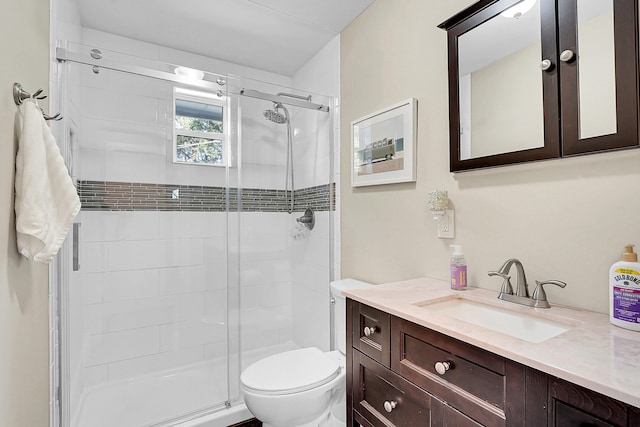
(340, 309)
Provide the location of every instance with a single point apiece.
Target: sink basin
(514, 323)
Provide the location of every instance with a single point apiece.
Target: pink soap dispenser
(458, 269)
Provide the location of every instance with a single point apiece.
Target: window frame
(208, 99)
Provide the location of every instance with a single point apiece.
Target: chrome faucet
(539, 297)
(522, 289)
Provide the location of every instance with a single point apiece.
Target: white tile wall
(132, 368)
(115, 346)
(311, 275)
(265, 280)
(157, 278)
(130, 285)
(180, 335)
(312, 261)
(141, 254)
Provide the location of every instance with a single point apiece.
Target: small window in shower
(199, 128)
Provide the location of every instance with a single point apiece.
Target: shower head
(275, 116)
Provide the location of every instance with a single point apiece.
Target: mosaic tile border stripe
(128, 196)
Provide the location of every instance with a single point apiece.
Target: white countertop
(593, 353)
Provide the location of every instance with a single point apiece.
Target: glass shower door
(144, 309)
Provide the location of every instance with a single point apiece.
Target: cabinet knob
(546, 64)
(442, 367)
(370, 330)
(390, 405)
(566, 55)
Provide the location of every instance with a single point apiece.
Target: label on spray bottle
(626, 295)
(458, 277)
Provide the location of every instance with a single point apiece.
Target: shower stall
(191, 257)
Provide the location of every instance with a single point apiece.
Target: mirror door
(499, 96)
(598, 71)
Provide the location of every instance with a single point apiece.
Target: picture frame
(383, 145)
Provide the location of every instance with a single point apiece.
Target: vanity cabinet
(557, 80)
(414, 376)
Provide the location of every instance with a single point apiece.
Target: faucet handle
(506, 285)
(540, 296)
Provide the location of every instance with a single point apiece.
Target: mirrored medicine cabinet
(541, 79)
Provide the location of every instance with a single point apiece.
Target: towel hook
(19, 95)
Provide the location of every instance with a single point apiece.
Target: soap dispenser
(458, 269)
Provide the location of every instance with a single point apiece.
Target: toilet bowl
(303, 387)
(295, 388)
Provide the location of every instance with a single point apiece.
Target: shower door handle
(76, 246)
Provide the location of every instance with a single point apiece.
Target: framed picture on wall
(383, 146)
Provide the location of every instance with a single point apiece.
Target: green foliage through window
(199, 132)
(190, 149)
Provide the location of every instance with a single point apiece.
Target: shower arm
(279, 99)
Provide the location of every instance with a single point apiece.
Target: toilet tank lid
(290, 372)
(338, 286)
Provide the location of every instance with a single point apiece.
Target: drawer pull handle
(442, 367)
(390, 405)
(370, 330)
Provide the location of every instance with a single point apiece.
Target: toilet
(304, 387)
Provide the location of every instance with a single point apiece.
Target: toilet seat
(290, 372)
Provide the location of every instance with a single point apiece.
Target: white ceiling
(273, 35)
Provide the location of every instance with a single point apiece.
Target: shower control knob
(390, 405)
(442, 367)
(370, 330)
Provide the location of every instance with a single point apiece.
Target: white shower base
(153, 399)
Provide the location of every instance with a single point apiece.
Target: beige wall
(24, 343)
(513, 85)
(565, 219)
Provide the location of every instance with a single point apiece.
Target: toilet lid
(290, 372)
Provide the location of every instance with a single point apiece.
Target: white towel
(46, 199)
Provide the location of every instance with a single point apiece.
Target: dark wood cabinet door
(462, 25)
(572, 405)
(385, 399)
(622, 105)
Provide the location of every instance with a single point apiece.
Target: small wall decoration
(383, 146)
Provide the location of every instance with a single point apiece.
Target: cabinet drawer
(371, 332)
(375, 387)
(474, 381)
